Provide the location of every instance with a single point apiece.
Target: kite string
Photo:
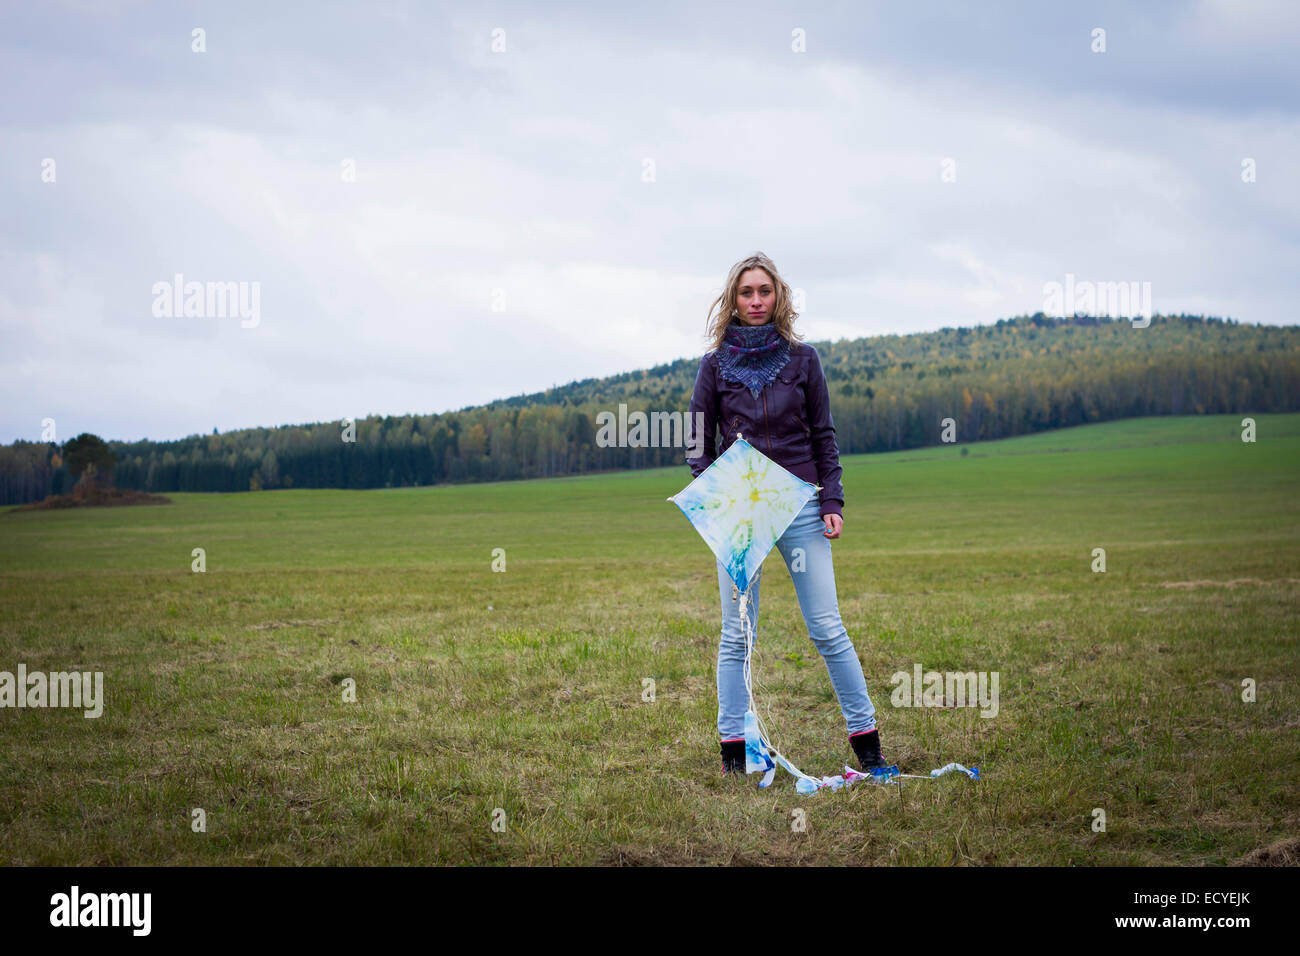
(764, 735)
(749, 660)
(749, 640)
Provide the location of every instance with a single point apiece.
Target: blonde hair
(783, 314)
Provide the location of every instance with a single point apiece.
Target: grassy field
(522, 690)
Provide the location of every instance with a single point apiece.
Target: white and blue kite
(741, 505)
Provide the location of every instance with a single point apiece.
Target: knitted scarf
(752, 355)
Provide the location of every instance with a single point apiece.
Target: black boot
(733, 756)
(867, 746)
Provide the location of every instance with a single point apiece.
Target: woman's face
(755, 297)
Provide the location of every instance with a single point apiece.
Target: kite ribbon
(760, 755)
(973, 772)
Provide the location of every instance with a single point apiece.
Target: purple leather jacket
(790, 421)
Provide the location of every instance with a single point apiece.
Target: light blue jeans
(815, 587)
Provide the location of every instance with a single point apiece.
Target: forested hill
(887, 392)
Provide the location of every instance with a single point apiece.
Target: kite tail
(759, 752)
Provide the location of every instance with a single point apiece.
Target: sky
(428, 206)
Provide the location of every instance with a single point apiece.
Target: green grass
(523, 690)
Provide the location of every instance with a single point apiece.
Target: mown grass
(522, 690)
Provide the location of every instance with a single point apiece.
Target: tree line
(891, 392)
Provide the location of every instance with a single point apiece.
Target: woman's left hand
(833, 524)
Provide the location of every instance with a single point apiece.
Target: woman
(759, 380)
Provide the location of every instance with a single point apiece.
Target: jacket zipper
(765, 423)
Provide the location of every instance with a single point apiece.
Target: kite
(741, 504)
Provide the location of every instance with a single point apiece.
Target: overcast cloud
(516, 179)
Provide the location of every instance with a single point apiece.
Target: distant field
(522, 690)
